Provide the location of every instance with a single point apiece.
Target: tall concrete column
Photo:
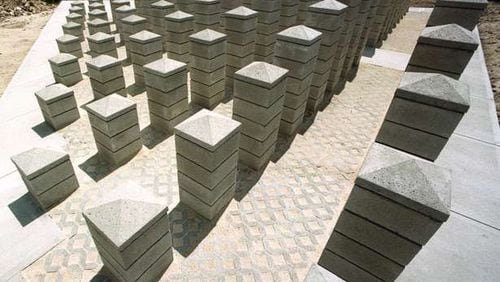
(178, 26)
(267, 27)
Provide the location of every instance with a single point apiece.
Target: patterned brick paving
(274, 229)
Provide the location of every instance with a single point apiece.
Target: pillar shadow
(97, 168)
(308, 121)
(189, 228)
(369, 52)
(151, 137)
(282, 145)
(246, 180)
(26, 209)
(228, 95)
(135, 89)
(104, 275)
(43, 129)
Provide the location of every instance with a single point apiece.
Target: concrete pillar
(206, 14)
(77, 10)
(206, 147)
(48, 175)
(289, 13)
(58, 105)
(425, 111)
(445, 49)
(179, 26)
(76, 18)
(226, 5)
(70, 44)
(132, 237)
(267, 28)
(296, 50)
(65, 69)
(98, 25)
(208, 67)
(166, 88)
(96, 6)
(115, 4)
(397, 204)
(303, 7)
(378, 23)
(131, 25)
(259, 94)
(115, 127)
(327, 17)
(121, 13)
(145, 47)
(464, 13)
(241, 30)
(79, 4)
(74, 29)
(185, 6)
(144, 10)
(159, 10)
(98, 14)
(106, 76)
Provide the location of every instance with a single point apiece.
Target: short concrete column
(131, 25)
(102, 44)
(226, 5)
(159, 10)
(98, 14)
(145, 10)
(106, 76)
(77, 10)
(115, 4)
(297, 50)
(364, 39)
(374, 39)
(76, 18)
(74, 29)
(206, 14)
(464, 13)
(167, 91)
(327, 17)
(425, 111)
(206, 146)
(179, 26)
(241, 30)
(208, 67)
(98, 25)
(132, 237)
(70, 44)
(79, 4)
(185, 5)
(259, 93)
(96, 6)
(289, 13)
(48, 175)
(115, 127)
(445, 49)
(267, 27)
(65, 69)
(334, 81)
(145, 47)
(58, 105)
(397, 204)
(121, 13)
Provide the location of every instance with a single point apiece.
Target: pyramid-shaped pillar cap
(241, 12)
(331, 7)
(262, 74)
(449, 36)
(300, 34)
(208, 37)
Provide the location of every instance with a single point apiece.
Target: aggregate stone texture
(274, 229)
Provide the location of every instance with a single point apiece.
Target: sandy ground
(17, 35)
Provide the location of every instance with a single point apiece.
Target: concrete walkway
(279, 222)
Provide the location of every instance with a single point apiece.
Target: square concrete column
(115, 127)
(121, 13)
(206, 14)
(58, 105)
(132, 237)
(65, 69)
(185, 5)
(48, 175)
(241, 30)
(445, 49)
(131, 25)
(425, 111)
(77, 10)
(96, 6)
(208, 67)
(297, 49)
(378, 23)
(327, 17)
(115, 4)
(74, 29)
(226, 5)
(289, 13)
(267, 27)
(166, 88)
(78, 4)
(98, 25)
(106, 76)
(206, 147)
(145, 47)
(303, 7)
(351, 13)
(102, 44)
(464, 13)
(98, 14)
(364, 39)
(179, 26)
(70, 44)
(159, 10)
(259, 94)
(397, 204)
(76, 18)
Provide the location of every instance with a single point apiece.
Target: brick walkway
(274, 229)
